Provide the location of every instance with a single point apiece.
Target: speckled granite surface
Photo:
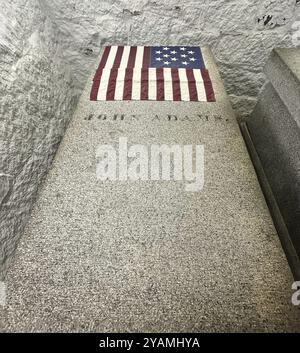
(148, 256)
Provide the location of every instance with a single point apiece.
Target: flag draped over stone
(162, 73)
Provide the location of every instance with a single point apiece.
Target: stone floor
(149, 256)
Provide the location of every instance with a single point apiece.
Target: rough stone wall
(47, 49)
(36, 99)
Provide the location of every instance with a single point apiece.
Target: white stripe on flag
(111, 57)
(103, 85)
(184, 86)
(168, 84)
(139, 57)
(152, 82)
(200, 85)
(120, 84)
(125, 56)
(136, 84)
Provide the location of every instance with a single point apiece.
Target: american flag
(162, 73)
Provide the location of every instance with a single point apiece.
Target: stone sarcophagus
(118, 248)
(273, 135)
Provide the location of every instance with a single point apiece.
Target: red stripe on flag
(118, 58)
(160, 92)
(192, 85)
(95, 87)
(210, 94)
(176, 85)
(102, 64)
(104, 57)
(132, 56)
(127, 94)
(144, 84)
(111, 87)
(146, 57)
